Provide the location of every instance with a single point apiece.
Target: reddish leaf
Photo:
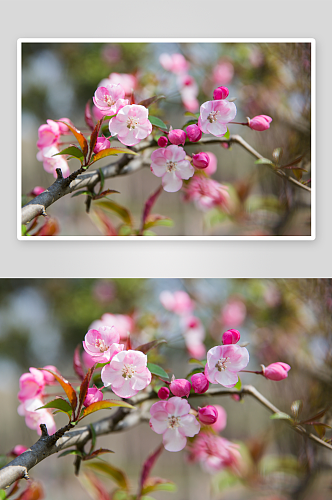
(128, 344)
(94, 137)
(150, 345)
(14, 489)
(103, 223)
(96, 453)
(80, 137)
(50, 228)
(67, 387)
(148, 102)
(105, 404)
(149, 204)
(84, 388)
(147, 467)
(105, 193)
(88, 116)
(94, 487)
(294, 162)
(77, 363)
(34, 491)
(317, 416)
(111, 472)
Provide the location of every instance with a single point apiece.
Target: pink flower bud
(231, 337)
(260, 122)
(180, 387)
(102, 143)
(177, 136)
(162, 141)
(194, 133)
(220, 93)
(18, 450)
(163, 393)
(93, 396)
(201, 160)
(276, 371)
(208, 415)
(36, 191)
(200, 383)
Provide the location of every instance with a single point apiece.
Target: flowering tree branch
(121, 420)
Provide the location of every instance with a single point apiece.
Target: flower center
(100, 344)
(128, 371)
(221, 365)
(171, 166)
(174, 422)
(213, 116)
(132, 123)
(109, 101)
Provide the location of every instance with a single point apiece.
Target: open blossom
(102, 344)
(123, 323)
(110, 99)
(48, 134)
(234, 312)
(176, 63)
(223, 72)
(127, 373)
(276, 371)
(223, 363)
(214, 453)
(214, 115)
(188, 91)
(194, 335)
(172, 419)
(93, 396)
(34, 417)
(178, 302)
(127, 81)
(51, 162)
(31, 384)
(170, 164)
(260, 122)
(207, 193)
(131, 124)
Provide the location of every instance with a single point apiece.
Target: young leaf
(147, 466)
(317, 416)
(94, 487)
(149, 204)
(67, 387)
(70, 452)
(105, 193)
(158, 220)
(77, 363)
(157, 122)
(227, 135)
(78, 193)
(197, 362)
(73, 151)
(58, 403)
(148, 102)
(238, 384)
(105, 404)
(150, 345)
(103, 223)
(281, 416)
(158, 484)
(157, 370)
(189, 113)
(264, 161)
(111, 152)
(94, 137)
(108, 470)
(121, 211)
(80, 137)
(88, 116)
(102, 179)
(96, 453)
(84, 388)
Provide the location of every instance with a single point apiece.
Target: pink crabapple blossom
(172, 419)
(207, 193)
(110, 99)
(171, 165)
(102, 343)
(162, 141)
(194, 133)
(34, 417)
(178, 302)
(214, 115)
(221, 421)
(214, 453)
(212, 166)
(93, 396)
(18, 450)
(231, 337)
(188, 90)
(260, 122)
(48, 377)
(220, 93)
(51, 162)
(88, 360)
(194, 334)
(208, 415)
(127, 81)
(101, 143)
(177, 136)
(223, 363)
(64, 130)
(223, 72)
(234, 312)
(176, 63)
(36, 191)
(201, 160)
(163, 393)
(48, 134)
(199, 383)
(276, 371)
(180, 387)
(131, 124)
(127, 373)
(123, 323)
(31, 384)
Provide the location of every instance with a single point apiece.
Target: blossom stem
(249, 371)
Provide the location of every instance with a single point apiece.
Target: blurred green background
(267, 78)
(289, 320)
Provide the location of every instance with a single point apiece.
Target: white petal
(171, 182)
(173, 440)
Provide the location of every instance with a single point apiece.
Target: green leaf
(105, 404)
(93, 438)
(24, 232)
(70, 452)
(59, 404)
(121, 211)
(191, 122)
(157, 122)
(161, 485)
(3, 495)
(280, 416)
(108, 470)
(158, 220)
(227, 135)
(88, 193)
(193, 372)
(108, 117)
(238, 384)
(157, 370)
(125, 230)
(198, 362)
(264, 161)
(147, 232)
(111, 152)
(105, 131)
(189, 113)
(73, 151)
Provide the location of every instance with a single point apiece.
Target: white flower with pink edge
(103, 343)
(172, 419)
(131, 124)
(170, 164)
(127, 373)
(34, 417)
(214, 115)
(223, 363)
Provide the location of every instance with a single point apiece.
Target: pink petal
(226, 378)
(171, 182)
(189, 426)
(159, 422)
(185, 169)
(173, 440)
